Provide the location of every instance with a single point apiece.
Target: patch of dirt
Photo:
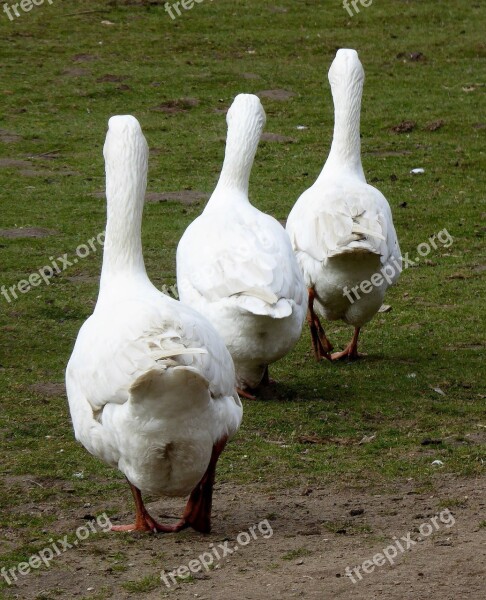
(27, 232)
(26, 169)
(82, 58)
(470, 439)
(404, 127)
(9, 137)
(303, 540)
(109, 78)
(187, 197)
(250, 76)
(412, 56)
(176, 106)
(76, 72)
(330, 441)
(279, 95)
(49, 389)
(473, 87)
(50, 155)
(36, 173)
(14, 163)
(435, 125)
(385, 153)
(467, 346)
(276, 137)
(25, 482)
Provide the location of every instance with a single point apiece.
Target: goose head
(346, 76)
(246, 119)
(346, 70)
(125, 151)
(246, 114)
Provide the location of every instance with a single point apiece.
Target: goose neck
(241, 146)
(345, 150)
(122, 253)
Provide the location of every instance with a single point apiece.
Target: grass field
(66, 67)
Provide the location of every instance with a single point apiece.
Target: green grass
(297, 553)
(58, 102)
(146, 584)
(453, 503)
(347, 526)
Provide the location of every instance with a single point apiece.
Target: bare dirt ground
(317, 533)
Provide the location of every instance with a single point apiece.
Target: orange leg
(264, 383)
(320, 344)
(351, 350)
(197, 513)
(245, 394)
(143, 521)
(198, 509)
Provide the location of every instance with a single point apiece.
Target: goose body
(235, 264)
(341, 228)
(150, 383)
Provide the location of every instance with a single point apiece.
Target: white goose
(235, 264)
(151, 386)
(341, 228)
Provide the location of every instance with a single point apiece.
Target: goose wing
(123, 344)
(341, 220)
(248, 262)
